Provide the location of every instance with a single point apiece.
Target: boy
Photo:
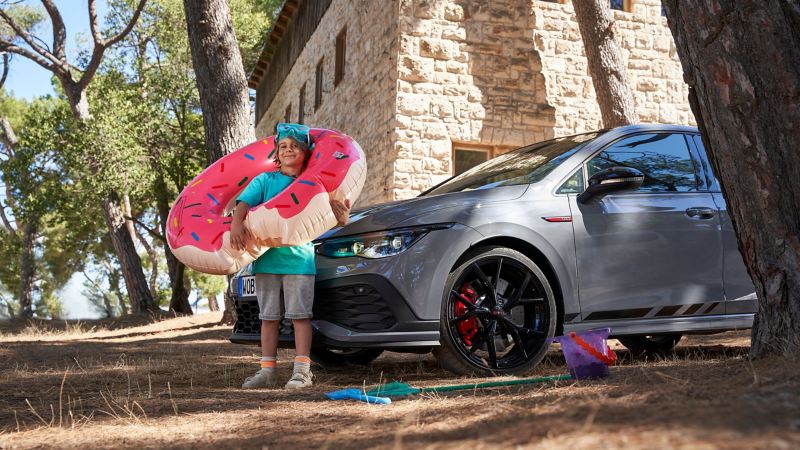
(287, 269)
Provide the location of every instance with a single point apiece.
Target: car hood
(413, 211)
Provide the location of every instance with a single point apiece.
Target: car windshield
(522, 166)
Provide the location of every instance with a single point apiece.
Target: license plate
(247, 286)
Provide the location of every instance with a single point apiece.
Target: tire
(656, 344)
(520, 316)
(345, 357)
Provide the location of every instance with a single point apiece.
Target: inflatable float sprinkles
(199, 222)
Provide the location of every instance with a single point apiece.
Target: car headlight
(375, 245)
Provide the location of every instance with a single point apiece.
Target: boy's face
(291, 153)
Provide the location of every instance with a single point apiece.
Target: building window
(467, 158)
(301, 108)
(341, 52)
(288, 116)
(621, 5)
(318, 85)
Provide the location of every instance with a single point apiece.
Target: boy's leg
(268, 288)
(298, 293)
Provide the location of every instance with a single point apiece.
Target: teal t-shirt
(297, 260)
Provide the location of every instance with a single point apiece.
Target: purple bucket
(587, 353)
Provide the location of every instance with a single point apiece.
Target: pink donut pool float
(198, 231)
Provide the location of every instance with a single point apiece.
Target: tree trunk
(212, 303)
(740, 60)
(76, 95)
(129, 260)
(222, 86)
(180, 295)
(220, 76)
(113, 282)
(606, 66)
(179, 300)
(27, 268)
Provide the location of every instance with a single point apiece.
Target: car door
(740, 293)
(655, 252)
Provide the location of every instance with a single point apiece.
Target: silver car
(623, 228)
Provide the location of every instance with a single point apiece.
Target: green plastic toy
(398, 389)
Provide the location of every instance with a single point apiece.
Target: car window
(573, 184)
(523, 166)
(711, 179)
(664, 160)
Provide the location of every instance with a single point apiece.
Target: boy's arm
(250, 196)
(239, 233)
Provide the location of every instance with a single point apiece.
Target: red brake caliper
(468, 327)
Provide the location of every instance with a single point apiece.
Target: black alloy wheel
(498, 314)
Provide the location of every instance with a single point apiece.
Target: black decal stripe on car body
(570, 317)
(710, 308)
(668, 310)
(692, 309)
(619, 314)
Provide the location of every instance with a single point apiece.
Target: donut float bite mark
(199, 231)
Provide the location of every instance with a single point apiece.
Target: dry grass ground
(175, 383)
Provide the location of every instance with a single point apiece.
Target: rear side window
(711, 179)
(663, 158)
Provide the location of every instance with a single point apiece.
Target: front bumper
(391, 302)
(359, 311)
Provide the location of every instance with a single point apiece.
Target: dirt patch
(175, 383)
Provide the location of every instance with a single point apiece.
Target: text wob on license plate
(247, 286)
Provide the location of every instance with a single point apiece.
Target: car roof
(654, 127)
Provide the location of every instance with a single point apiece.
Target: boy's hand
(240, 235)
(341, 210)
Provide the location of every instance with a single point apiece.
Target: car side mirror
(613, 179)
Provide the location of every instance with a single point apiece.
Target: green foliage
(144, 140)
(28, 17)
(207, 285)
(252, 19)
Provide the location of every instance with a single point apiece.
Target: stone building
(432, 87)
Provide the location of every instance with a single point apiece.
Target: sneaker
(300, 380)
(263, 378)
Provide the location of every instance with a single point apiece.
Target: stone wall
(426, 75)
(468, 74)
(654, 71)
(363, 104)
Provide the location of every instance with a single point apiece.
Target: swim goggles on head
(296, 131)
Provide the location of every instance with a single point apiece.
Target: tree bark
(606, 65)
(222, 86)
(740, 60)
(129, 261)
(179, 300)
(113, 282)
(212, 303)
(220, 76)
(27, 268)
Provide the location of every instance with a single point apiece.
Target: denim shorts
(289, 296)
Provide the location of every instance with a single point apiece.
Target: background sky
(28, 80)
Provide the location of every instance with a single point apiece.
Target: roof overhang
(276, 32)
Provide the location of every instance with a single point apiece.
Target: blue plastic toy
(357, 394)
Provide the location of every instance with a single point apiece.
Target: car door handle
(701, 213)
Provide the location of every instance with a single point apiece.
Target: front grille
(357, 307)
(247, 321)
